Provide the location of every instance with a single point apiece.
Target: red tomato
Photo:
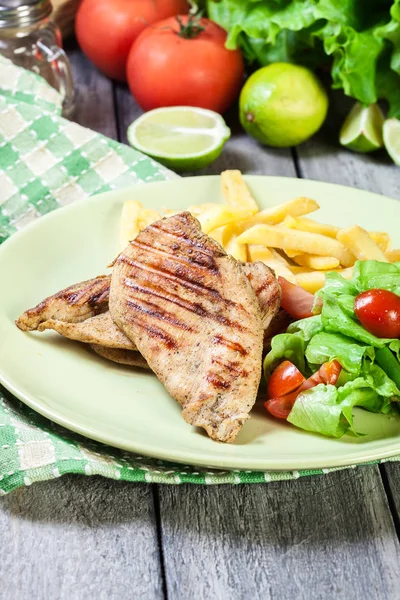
(280, 407)
(285, 379)
(166, 67)
(379, 312)
(106, 29)
(296, 301)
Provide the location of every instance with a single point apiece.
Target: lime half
(391, 137)
(362, 129)
(184, 138)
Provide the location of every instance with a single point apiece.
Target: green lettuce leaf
(286, 346)
(361, 39)
(328, 410)
(324, 347)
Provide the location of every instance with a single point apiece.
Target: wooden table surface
(327, 537)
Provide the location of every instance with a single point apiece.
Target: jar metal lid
(20, 13)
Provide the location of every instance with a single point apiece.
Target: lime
(184, 138)
(362, 129)
(391, 137)
(282, 105)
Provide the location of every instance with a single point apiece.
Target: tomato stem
(192, 28)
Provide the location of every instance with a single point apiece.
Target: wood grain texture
(79, 538)
(323, 158)
(322, 538)
(94, 95)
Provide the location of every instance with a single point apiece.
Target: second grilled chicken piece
(131, 358)
(74, 304)
(100, 330)
(193, 315)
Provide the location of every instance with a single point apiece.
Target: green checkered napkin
(47, 162)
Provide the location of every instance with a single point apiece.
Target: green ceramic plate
(129, 408)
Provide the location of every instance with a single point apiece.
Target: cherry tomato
(328, 373)
(280, 407)
(106, 29)
(285, 379)
(296, 301)
(176, 64)
(379, 312)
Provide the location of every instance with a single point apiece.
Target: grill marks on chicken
(266, 288)
(74, 304)
(62, 313)
(192, 313)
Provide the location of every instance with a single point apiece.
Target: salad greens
(359, 38)
(370, 376)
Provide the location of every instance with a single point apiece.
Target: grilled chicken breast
(59, 314)
(192, 313)
(267, 290)
(123, 357)
(100, 330)
(74, 304)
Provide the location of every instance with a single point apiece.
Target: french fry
(280, 269)
(297, 269)
(147, 216)
(360, 243)
(292, 253)
(257, 252)
(393, 255)
(218, 235)
(129, 223)
(227, 236)
(236, 192)
(276, 214)
(319, 263)
(311, 281)
(199, 209)
(238, 251)
(346, 273)
(305, 224)
(221, 215)
(381, 239)
(277, 256)
(302, 241)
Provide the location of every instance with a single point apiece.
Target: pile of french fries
(283, 236)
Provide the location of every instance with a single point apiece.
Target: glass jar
(32, 40)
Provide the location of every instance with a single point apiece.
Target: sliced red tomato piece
(379, 312)
(281, 406)
(328, 373)
(285, 379)
(296, 301)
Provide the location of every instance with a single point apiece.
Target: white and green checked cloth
(47, 162)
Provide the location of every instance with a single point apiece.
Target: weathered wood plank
(94, 96)
(325, 537)
(324, 159)
(79, 538)
(391, 476)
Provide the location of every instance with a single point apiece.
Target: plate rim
(191, 457)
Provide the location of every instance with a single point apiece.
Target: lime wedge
(183, 138)
(362, 129)
(391, 137)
